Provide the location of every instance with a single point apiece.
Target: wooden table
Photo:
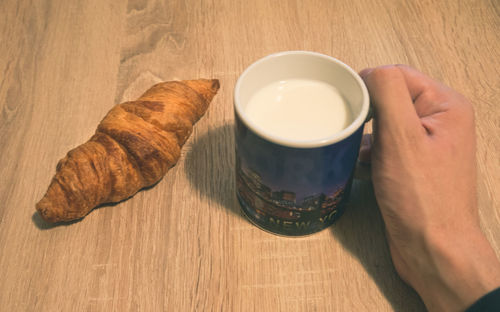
(184, 245)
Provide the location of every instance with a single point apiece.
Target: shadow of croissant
(361, 231)
(209, 166)
(41, 224)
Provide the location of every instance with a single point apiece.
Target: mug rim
(334, 138)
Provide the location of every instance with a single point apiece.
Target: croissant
(133, 147)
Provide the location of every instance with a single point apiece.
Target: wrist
(462, 267)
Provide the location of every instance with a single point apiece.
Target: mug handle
(362, 171)
(369, 116)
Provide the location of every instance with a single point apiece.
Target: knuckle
(467, 111)
(465, 102)
(429, 95)
(404, 67)
(462, 104)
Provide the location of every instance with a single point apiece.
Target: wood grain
(183, 245)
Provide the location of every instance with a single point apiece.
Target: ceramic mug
(296, 187)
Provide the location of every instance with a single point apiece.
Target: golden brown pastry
(133, 147)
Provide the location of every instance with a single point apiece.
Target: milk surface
(299, 109)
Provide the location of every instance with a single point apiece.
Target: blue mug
(290, 186)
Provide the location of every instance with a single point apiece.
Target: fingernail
(365, 72)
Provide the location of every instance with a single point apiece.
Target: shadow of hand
(361, 232)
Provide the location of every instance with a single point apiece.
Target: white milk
(299, 109)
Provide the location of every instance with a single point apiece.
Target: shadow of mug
(213, 154)
(360, 229)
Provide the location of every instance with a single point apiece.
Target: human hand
(424, 176)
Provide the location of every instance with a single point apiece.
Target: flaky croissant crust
(133, 147)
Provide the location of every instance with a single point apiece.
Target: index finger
(426, 93)
(391, 99)
(416, 81)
